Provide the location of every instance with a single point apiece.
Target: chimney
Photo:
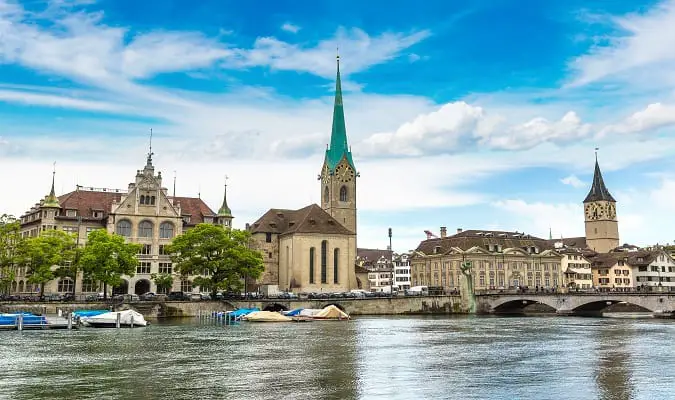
(459, 230)
(444, 231)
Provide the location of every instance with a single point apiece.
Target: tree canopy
(222, 257)
(10, 242)
(163, 281)
(106, 257)
(52, 248)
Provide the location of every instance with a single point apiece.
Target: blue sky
(473, 114)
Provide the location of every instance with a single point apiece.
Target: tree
(222, 256)
(10, 242)
(163, 281)
(42, 253)
(106, 257)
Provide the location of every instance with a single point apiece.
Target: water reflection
(614, 370)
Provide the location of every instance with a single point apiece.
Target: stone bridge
(573, 303)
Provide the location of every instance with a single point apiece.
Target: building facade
(402, 275)
(600, 220)
(313, 249)
(497, 260)
(379, 265)
(144, 213)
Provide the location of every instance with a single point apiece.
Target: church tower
(602, 227)
(338, 175)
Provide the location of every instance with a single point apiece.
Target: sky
(473, 114)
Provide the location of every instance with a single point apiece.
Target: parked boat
(31, 321)
(127, 319)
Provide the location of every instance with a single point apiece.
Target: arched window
(166, 230)
(343, 193)
(152, 200)
(145, 229)
(65, 285)
(20, 286)
(312, 250)
(324, 261)
(326, 194)
(336, 258)
(185, 286)
(124, 228)
(142, 199)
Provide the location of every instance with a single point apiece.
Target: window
(124, 228)
(186, 219)
(90, 229)
(65, 285)
(152, 200)
(268, 237)
(326, 194)
(343, 193)
(324, 260)
(142, 199)
(165, 268)
(71, 213)
(336, 258)
(185, 285)
(162, 250)
(143, 268)
(166, 230)
(70, 229)
(145, 229)
(97, 214)
(88, 286)
(311, 264)
(146, 249)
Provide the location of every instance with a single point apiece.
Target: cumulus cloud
(653, 117)
(289, 27)
(572, 180)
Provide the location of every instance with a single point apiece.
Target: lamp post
(391, 264)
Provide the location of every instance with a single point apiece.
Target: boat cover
(293, 313)
(266, 316)
(331, 312)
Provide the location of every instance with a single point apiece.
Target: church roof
(598, 189)
(339, 148)
(310, 219)
(480, 238)
(51, 200)
(224, 210)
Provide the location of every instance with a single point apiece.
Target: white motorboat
(127, 319)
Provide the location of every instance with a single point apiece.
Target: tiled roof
(373, 254)
(480, 238)
(573, 242)
(310, 219)
(86, 202)
(195, 208)
(598, 189)
(633, 258)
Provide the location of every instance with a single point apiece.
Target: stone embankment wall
(172, 309)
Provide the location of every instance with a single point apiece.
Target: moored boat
(127, 319)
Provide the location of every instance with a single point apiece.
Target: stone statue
(467, 293)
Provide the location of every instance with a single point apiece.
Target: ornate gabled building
(499, 260)
(145, 213)
(313, 249)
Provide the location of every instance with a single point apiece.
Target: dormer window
(437, 249)
(71, 213)
(97, 214)
(186, 219)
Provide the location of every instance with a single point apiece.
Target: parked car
(178, 296)
(148, 296)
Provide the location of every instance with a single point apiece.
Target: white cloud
(60, 101)
(641, 50)
(412, 57)
(537, 218)
(572, 180)
(653, 117)
(358, 51)
(289, 27)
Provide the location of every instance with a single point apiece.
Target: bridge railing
(586, 292)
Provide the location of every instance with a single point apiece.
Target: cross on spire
(150, 153)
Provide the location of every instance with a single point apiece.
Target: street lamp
(391, 264)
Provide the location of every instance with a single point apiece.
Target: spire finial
(174, 183)
(596, 154)
(224, 210)
(150, 153)
(52, 192)
(51, 200)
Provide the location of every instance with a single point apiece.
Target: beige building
(144, 213)
(600, 220)
(613, 272)
(499, 260)
(576, 269)
(313, 249)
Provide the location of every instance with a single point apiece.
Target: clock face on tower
(344, 173)
(592, 211)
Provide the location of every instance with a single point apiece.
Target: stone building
(313, 249)
(602, 226)
(144, 213)
(499, 260)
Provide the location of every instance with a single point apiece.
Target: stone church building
(313, 249)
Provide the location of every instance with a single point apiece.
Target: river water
(366, 358)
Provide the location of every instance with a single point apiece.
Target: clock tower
(602, 227)
(338, 174)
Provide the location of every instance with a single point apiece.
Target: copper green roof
(598, 190)
(339, 148)
(224, 210)
(51, 200)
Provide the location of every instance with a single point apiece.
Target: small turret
(51, 200)
(224, 213)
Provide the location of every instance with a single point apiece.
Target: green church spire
(224, 210)
(51, 200)
(338, 138)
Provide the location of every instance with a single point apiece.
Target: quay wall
(174, 309)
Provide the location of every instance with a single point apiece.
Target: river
(366, 358)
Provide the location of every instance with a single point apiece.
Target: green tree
(106, 257)
(10, 243)
(42, 253)
(163, 281)
(221, 255)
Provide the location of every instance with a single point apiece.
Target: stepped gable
(480, 238)
(310, 219)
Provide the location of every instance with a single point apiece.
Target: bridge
(573, 303)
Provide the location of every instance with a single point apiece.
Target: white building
(576, 269)
(402, 271)
(653, 270)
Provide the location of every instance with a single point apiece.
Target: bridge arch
(600, 305)
(517, 305)
(276, 307)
